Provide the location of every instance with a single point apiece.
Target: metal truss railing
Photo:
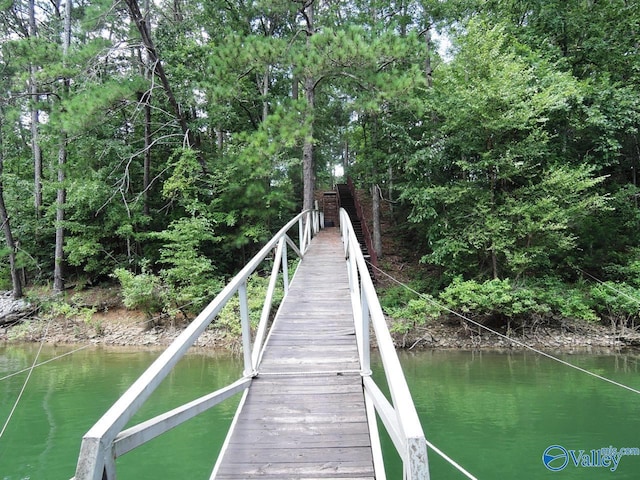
(399, 415)
(107, 440)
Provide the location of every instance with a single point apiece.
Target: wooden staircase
(351, 205)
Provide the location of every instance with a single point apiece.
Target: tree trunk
(294, 88)
(58, 272)
(308, 173)
(35, 146)
(146, 180)
(6, 226)
(375, 191)
(494, 256)
(390, 194)
(35, 120)
(61, 196)
(263, 85)
(375, 213)
(146, 100)
(634, 169)
(145, 33)
(345, 157)
(309, 181)
(427, 63)
(219, 139)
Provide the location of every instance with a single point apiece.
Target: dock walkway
(304, 416)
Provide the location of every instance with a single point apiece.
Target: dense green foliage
(510, 161)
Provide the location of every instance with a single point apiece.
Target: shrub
(617, 302)
(186, 271)
(415, 312)
(572, 302)
(229, 317)
(497, 299)
(490, 298)
(143, 291)
(395, 297)
(502, 301)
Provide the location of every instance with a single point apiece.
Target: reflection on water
(493, 412)
(496, 412)
(64, 398)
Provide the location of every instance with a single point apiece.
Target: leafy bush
(566, 301)
(187, 273)
(395, 297)
(492, 298)
(618, 302)
(59, 307)
(414, 313)
(502, 301)
(143, 291)
(229, 317)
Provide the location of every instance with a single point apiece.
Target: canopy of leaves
(513, 157)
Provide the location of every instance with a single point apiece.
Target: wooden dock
(304, 415)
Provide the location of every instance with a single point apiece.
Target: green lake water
(493, 412)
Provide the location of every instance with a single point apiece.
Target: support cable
(609, 286)
(451, 461)
(140, 322)
(45, 362)
(512, 340)
(24, 385)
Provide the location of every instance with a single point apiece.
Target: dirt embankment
(568, 336)
(103, 320)
(94, 316)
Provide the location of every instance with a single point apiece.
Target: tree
(16, 282)
(158, 69)
(309, 87)
(58, 272)
(496, 194)
(35, 117)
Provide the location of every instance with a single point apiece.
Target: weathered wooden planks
(304, 415)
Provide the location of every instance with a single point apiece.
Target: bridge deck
(304, 415)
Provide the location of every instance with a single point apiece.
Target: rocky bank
(111, 324)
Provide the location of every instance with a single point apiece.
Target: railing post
(109, 468)
(366, 341)
(301, 234)
(399, 416)
(285, 269)
(246, 328)
(418, 465)
(315, 219)
(266, 307)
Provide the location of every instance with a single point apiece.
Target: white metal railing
(106, 440)
(398, 416)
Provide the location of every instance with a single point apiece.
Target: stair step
(347, 202)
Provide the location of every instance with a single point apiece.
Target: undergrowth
(503, 303)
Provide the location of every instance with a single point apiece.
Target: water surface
(493, 412)
(64, 398)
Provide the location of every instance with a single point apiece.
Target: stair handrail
(398, 416)
(107, 440)
(363, 220)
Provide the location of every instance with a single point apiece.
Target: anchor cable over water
(512, 340)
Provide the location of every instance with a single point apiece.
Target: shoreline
(580, 338)
(123, 328)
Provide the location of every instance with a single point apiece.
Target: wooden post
(246, 328)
